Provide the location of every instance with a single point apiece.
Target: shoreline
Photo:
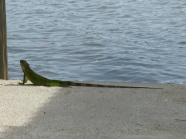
(29, 111)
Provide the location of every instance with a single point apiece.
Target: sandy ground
(38, 112)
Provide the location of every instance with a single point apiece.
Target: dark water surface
(93, 40)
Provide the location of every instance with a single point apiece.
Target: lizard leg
(25, 79)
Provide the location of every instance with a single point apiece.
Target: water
(92, 40)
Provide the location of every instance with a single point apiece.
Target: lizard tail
(98, 85)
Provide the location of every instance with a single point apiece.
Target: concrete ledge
(38, 112)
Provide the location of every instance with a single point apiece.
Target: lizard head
(24, 64)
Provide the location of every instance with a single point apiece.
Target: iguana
(37, 79)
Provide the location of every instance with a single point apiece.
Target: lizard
(37, 79)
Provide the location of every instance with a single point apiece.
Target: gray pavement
(38, 112)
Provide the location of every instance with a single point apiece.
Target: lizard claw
(21, 83)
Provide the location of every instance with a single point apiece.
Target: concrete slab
(38, 112)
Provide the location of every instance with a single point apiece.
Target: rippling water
(93, 40)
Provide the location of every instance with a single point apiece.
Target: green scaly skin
(37, 79)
